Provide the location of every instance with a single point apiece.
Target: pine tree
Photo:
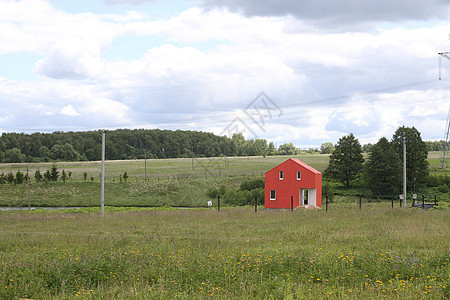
(54, 174)
(416, 154)
(383, 170)
(346, 161)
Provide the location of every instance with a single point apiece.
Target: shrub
(443, 188)
(236, 197)
(249, 185)
(213, 192)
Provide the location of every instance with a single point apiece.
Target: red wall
(290, 186)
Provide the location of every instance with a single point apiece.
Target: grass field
(169, 181)
(174, 182)
(161, 253)
(345, 253)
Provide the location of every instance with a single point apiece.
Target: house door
(308, 197)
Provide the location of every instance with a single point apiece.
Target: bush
(443, 188)
(214, 192)
(249, 185)
(236, 197)
(327, 191)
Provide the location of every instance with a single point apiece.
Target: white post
(404, 172)
(103, 175)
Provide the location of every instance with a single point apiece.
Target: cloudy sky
(305, 71)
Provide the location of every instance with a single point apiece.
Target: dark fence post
(423, 201)
(218, 203)
(326, 203)
(360, 202)
(435, 200)
(256, 204)
(292, 203)
(392, 200)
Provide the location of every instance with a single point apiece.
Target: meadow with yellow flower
(345, 253)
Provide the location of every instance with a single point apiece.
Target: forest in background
(124, 144)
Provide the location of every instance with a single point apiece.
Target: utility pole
(28, 188)
(103, 175)
(404, 172)
(145, 164)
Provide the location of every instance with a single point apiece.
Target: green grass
(344, 253)
(169, 167)
(170, 181)
(174, 182)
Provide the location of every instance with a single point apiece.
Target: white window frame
(281, 175)
(275, 194)
(299, 173)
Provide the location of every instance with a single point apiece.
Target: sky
(305, 72)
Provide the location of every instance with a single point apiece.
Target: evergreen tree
(47, 176)
(346, 161)
(54, 174)
(20, 178)
(63, 176)
(383, 169)
(416, 154)
(38, 176)
(10, 177)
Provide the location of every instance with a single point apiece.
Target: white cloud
(210, 64)
(68, 110)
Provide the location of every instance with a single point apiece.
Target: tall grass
(374, 253)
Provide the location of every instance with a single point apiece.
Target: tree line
(382, 173)
(131, 144)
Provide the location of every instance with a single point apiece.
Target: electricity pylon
(447, 127)
(440, 56)
(444, 150)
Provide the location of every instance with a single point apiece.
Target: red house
(293, 178)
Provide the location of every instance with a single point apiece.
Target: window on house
(273, 195)
(281, 175)
(299, 175)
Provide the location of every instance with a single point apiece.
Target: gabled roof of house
(299, 162)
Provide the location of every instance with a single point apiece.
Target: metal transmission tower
(440, 56)
(444, 150)
(447, 127)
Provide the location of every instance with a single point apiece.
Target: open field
(173, 182)
(170, 167)
(344, 253)
(170, 181)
